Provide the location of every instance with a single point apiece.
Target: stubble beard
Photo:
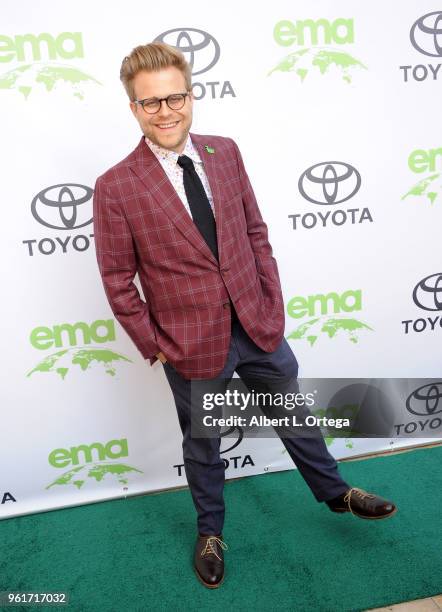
(169, 144)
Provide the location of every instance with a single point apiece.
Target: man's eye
(151, 103)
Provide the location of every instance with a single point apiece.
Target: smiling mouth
(167, 126)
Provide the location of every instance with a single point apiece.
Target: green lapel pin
(209, 149)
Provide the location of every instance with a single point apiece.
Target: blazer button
(226, 305)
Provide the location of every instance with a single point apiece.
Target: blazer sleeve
(266, 265)
(117, 263)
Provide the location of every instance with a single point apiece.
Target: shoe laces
(359, 492)
(209, 548)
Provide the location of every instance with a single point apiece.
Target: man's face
(167, 128)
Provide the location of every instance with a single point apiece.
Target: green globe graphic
(429, 187)
(96, 472)
(329, 440)
(308, 61)
(82, 359)
(30, 77)
(331, 326)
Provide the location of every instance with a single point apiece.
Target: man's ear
(133, 108)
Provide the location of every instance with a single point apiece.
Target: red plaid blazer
(141, 225)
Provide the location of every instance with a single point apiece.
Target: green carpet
(286, 551)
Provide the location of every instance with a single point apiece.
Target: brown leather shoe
(209, 560)
(362, 504)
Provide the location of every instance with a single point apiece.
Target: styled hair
(152, 57)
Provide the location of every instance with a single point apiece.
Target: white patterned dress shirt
(174, 172)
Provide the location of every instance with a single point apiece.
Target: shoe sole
(206, 584)
(384, 516)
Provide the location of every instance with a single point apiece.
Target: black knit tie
(199, 203)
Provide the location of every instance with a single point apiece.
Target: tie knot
(185, 162)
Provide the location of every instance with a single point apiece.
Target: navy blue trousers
(203, 465)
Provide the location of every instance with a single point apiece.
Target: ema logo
(202, 51)
(51, 76)
(320, 307)
(89, 464)
(321, 60)
(430, 187)
(426, 38)
(427, 295)
(66, 206)
(79, 359)
(329, 183)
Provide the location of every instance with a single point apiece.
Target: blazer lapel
(150, 172)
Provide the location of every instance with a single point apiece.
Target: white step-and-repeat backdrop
(336, 109)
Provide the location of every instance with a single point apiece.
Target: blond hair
(152, 57)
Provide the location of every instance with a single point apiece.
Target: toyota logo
(426, 400)
(428, 292)
(329, 183)
(236, 442)
(200, 49)
(426, 34)
(60, 206)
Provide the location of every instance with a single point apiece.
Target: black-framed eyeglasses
(174, 101)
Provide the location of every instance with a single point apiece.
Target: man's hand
(161, 357)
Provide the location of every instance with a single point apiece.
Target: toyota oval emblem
(428, 292)
(235, 441)
(426, 400)
(426, 34)
(63, 206)
(329, 182)
(200, 48)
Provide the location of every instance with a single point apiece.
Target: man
(180, 211)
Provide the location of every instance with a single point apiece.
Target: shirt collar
(163, 154)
